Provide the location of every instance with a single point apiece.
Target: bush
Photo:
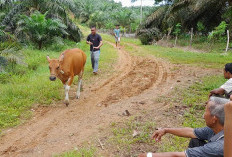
(40, 30)
(148, 35)
(218, 34)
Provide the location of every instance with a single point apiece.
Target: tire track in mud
(57, 129)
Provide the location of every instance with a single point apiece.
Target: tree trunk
(228, 40)
(191, 39)
(40, 44)
(169, 32)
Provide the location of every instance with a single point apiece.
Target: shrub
(218, 34)
(40, 30)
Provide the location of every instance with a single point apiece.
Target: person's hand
(90, 43)
(210, 94)
(95, 47)
(158, 134)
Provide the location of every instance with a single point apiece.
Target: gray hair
(217, 108)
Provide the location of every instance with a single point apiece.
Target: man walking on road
(95, 42)
(117, 35)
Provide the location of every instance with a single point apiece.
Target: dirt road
(56, 129)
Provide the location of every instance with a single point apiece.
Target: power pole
(141, 11)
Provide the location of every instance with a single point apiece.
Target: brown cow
(71, 63)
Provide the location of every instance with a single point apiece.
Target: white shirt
(227, 86)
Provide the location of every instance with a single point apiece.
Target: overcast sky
(128, 2)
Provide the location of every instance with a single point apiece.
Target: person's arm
(101, 43)
(88, 41)
(228, 129)
(181, 132)
(115, 35)
(168, 154)
(218, 91)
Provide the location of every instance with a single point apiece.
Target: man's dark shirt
(214, 147)
(95, 39)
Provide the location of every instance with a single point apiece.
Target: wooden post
(228, 40)
(169, 32)
(175, 41)
(191, 39)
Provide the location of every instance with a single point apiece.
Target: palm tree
(58, 9)
(39, 29)
(186, 12)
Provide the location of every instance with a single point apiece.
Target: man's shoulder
(229, 81)
(98, 34)
(203, 133)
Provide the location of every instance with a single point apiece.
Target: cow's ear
(48, 58)
(61, 58)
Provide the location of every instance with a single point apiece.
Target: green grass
(179, 56)
(81, 152)
(202, 43)
(122, 138)
(20, 92)
(28, 86)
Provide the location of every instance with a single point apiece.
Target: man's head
(117, 26)
(93, 30)
(214, 112)
(228, 71)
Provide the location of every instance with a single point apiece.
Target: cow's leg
(79, 85)
(67, 87)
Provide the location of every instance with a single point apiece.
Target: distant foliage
(200, 27)
(12, 11)
(148, 35)
(218, 34)
(201, 15)
(39, 29)
(177, 29)
(105, 14)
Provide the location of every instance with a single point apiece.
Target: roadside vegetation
(82, 152)
(178, 55)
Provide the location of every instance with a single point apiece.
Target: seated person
(228, 129)
(225, 89)
(214, 134)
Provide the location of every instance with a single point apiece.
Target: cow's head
(54, 67)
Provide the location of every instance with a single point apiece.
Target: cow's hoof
(66, 102)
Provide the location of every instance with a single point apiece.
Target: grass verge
(179, 56)
(81, 152)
